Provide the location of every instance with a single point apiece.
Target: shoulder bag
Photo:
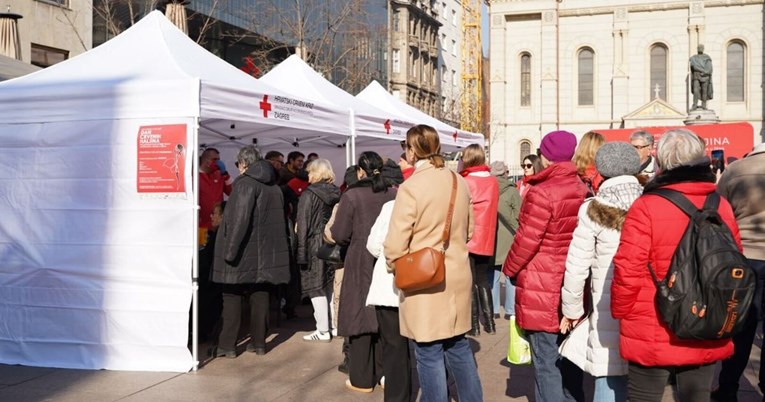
(425, 268)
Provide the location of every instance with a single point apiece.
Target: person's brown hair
(424, 143)
(472, 156)
(585, 152)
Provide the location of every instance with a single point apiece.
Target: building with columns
(597, 64)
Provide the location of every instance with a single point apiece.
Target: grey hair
(642, 135)
(248, 155)
(679, 147)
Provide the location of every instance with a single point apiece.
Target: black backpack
(709, 285)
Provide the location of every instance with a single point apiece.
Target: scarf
(619, 192)
(481, 168)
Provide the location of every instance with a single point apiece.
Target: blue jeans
(509, 291)
(556, 379)
(458, 356)
(610, 389)
(734, 366)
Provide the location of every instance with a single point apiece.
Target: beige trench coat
(418, 219)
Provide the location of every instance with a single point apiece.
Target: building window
(658, 72)
(735, 72)
(415, 64)
(396, 21)
(44, 56)
(454, 47)
(525, 79)
(454, 78)
(444, 10)
(396, 56)
(586, 75)
(525, 150)
(444, 73)
(454, 17)
(443, 42)
(62, 3)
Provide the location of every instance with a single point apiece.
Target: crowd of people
(570, 241)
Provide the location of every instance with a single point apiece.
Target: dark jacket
(356, 214)
(314, 211)
(537, 258)
(507, 218)
(252, 240)
(651, 232)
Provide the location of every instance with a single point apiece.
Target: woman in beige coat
(436, 318)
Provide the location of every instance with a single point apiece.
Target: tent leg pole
(195, 254)
(195, 322)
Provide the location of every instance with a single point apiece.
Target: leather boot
(487, 305)
(475, 329)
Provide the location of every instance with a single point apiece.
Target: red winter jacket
(651, 232)
(484, 191)
(537, 258)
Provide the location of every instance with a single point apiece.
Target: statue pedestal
(701, 116)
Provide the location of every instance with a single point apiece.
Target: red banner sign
(161, 158)
(736, 139)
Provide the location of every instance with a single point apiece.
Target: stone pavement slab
(292, 370)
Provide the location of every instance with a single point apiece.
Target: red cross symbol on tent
(455, 135)
(387, 126)
(265, 106)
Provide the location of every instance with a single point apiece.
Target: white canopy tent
(372, 128)
(98, 236)
(451, 138)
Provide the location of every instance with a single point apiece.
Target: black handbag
(333, 253)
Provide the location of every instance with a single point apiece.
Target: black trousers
(232, 315)
(646, 384)
(365, 360)
(396, 364)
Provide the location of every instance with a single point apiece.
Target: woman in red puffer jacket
(484, 191)
(651, 232)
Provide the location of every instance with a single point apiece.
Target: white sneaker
(334, 332)
(317, 336)
(382, 382)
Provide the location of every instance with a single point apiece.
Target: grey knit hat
(498, 168)
(617, 159)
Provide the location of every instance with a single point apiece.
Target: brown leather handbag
(424, 269)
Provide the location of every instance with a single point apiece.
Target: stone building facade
(52, 31)
(596, 64)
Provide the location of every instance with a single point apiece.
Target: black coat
(357, 212)
(252, 239)
(313, 212)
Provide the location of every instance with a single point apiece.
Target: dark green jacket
(507, 218)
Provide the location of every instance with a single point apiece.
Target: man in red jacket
(214, 181)
(537, 262)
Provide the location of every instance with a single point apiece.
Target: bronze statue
(701, 78)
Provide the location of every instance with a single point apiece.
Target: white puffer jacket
(382, 290)
(594, 345)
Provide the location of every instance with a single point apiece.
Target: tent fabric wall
(92, 275)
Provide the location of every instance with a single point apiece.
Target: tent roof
(153, 70)
(296, 77)
(12, 68)
(450, 136)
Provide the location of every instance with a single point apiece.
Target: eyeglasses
(639, 147)
(526, 166)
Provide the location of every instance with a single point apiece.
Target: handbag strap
(450, 214)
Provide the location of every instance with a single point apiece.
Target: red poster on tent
(161, 158)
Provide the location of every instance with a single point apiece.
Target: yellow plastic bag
(518, 348)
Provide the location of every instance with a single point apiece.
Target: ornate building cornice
(664, 6)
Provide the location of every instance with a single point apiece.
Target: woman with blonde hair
(484, 191)
(436, 318)
(316, 275)
(584, 159)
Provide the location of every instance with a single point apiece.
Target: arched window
(735, 72)
(658, 72)
(525, 150)
(525, 79)
(586, 76)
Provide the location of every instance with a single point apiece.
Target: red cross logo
(265, 106)
(387, 126)
(455, 136)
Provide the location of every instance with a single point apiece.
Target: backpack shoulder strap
(712, 202)
(679, 200)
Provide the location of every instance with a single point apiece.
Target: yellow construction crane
(472, 56)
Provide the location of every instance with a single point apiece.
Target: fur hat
(617, 159)
(498, 168)
(558, 146)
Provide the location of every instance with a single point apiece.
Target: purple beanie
(558, 146)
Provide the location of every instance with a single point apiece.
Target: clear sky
(485, 28)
